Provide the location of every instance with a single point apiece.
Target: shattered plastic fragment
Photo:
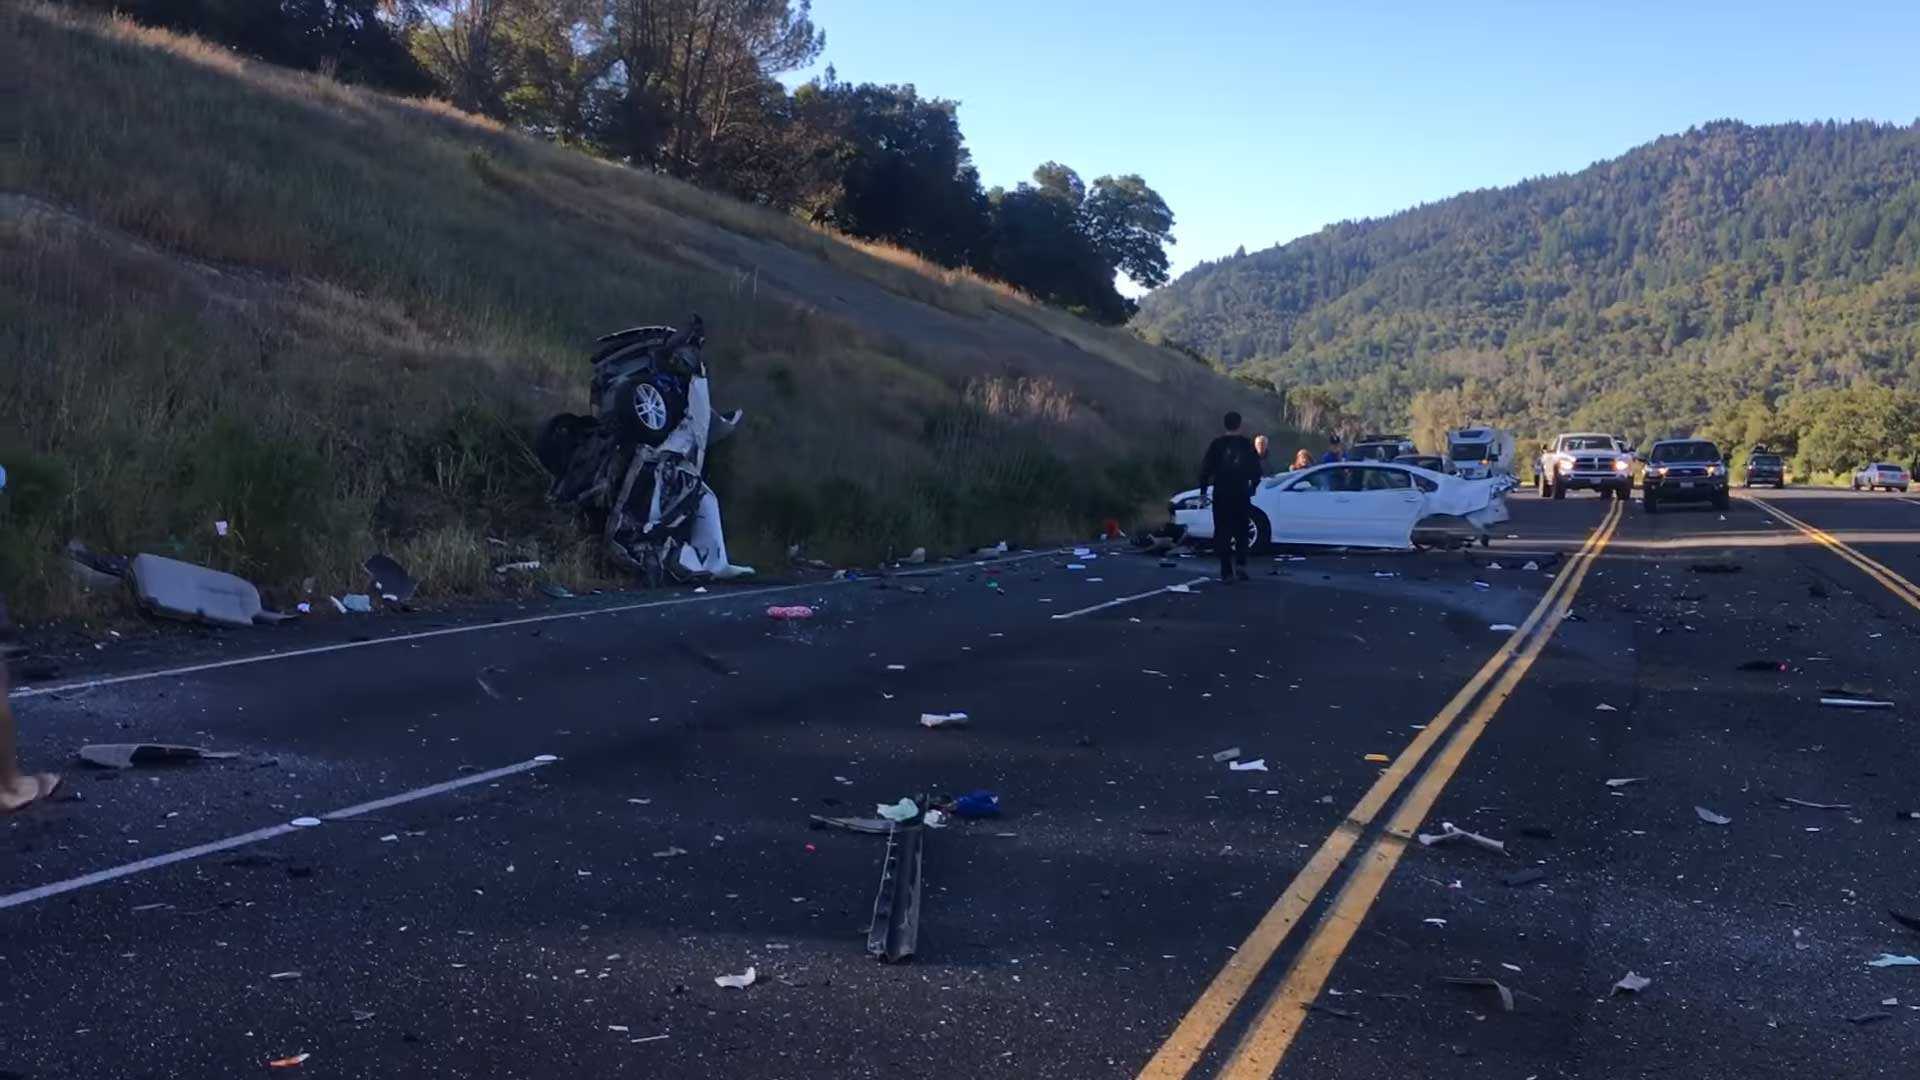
(1855, 703)
(1256, 765)
(288, 1062)
(1623, 781)
(358, 603)
(1712, 818)
(670, 853)
(304, 822)
(790, 612)
(1891, 960)
(904, 810)
(1632, 983)
(1179, 588)
(1503, 626)
(1448, 832)
(1228, 754)
(736, 982)
(940, 720)
(1378, 759)
(1791, 801)
(1604, 707)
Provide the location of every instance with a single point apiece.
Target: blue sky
(1259, 122)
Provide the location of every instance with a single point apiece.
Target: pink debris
(797, 611)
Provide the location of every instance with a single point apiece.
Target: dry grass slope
(235, 292)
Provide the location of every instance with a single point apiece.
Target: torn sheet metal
(895, 931)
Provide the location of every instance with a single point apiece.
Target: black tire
(1259, 531)
(648, 408)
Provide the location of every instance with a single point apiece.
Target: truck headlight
(1713, 470)
(1619, 464)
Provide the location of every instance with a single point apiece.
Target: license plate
(1686, 483)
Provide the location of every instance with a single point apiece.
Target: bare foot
(28, 789)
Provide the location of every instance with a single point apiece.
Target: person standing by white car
(17, 789)
(1231, 469)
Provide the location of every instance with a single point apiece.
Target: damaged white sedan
(1360, 504)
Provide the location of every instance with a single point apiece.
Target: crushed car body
(635, 469)
(1360, 504)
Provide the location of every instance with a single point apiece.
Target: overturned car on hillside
(1359, 504)
(634, 469)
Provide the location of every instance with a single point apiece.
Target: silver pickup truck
(1589, 459)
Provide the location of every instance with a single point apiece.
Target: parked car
(1585, 460)
(1359, 504)
(1881, 474)
(1430, 462)
(1764, 467)
(1685, 470)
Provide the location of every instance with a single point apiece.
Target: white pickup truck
(1586, 460)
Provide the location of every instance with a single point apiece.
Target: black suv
(1765, 467)
(1685, 470)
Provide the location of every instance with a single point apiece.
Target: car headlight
(1657, 470)
(1713, 470)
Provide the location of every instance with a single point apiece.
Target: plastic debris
(220, 528)
(1885, 960)
(1482, 585)
(390, 579)
(1506, 995)
(1855, 703)
(1869, 1017)
(1256, 765)
(1503, 627)
(358, 603)
(1712, 818)
(1604, 707)
(1448, 833)
(789, 612)
(181, 590)
(284, 975)
(1228, 754)
(736, 982)
(1180, 588)
(127, 755)
(1434, 921)
(670, 853)
(1791, 801)
(1632, 983)
(288, 1062)
(940, 720)
(977, 804)
(1378, 759)
(919, 556)
(304, 822)
(904, 810)
(554, 590)
(1623, 781)
(1530, 565)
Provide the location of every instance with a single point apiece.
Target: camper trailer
(1478, 453)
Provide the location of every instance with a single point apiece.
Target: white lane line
(1127, 599)
(317, 650)
(44, 892)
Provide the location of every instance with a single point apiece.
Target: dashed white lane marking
(1162, 590)
(98, 877)
(506, 624)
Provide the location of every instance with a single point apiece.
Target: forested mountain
(1746, 281)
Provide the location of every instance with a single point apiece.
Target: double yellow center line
(1273, 1030)
(1893, 582)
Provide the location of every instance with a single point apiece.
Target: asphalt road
(1137, 906)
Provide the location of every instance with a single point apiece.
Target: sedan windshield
(1686, 451)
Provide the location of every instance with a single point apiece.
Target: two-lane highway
(1139, 906)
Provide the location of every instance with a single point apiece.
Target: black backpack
(1238, 462)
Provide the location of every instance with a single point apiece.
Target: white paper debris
(1712, 818)
(1256, 765)
(1632, 983)
(936, 720)
(736, 982)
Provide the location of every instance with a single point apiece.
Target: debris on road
(1604, 707)
(1503, 627)
(894, 932)
(874, 825)
(1228, 754)
(1631, 983)
(1885, 960)
(554, 590)
(1179, 588)
(1378, 759)
(670, 853)
(1712, 818)
(127, 755)
(1528, 876)
(1764, 665)
(304, 822)
(1506, 995)
(284, 975)
(918, 556)
(288, 1062)
(358, 603)
(1623, 781)
(1855, 703)
(1869, 1017)
(1449, 833)
(789, 612)
(390, 579)
(736, 982)
(1256, 765)
(1434, 921)
(1911, 922)
(526, 567)
(1791, 801)
(940, 720)
(977, 804)
(488, 688)
(904, 810)
(181, 590)
(1716, 568)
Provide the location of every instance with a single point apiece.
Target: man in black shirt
(1231, 469)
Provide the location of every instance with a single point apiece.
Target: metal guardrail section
(895, 929)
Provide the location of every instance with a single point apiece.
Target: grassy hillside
(229, 291)
(1730, 267)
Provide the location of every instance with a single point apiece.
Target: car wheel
(1259, 531)
(649, 408)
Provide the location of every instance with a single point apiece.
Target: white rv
(1478, 453)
